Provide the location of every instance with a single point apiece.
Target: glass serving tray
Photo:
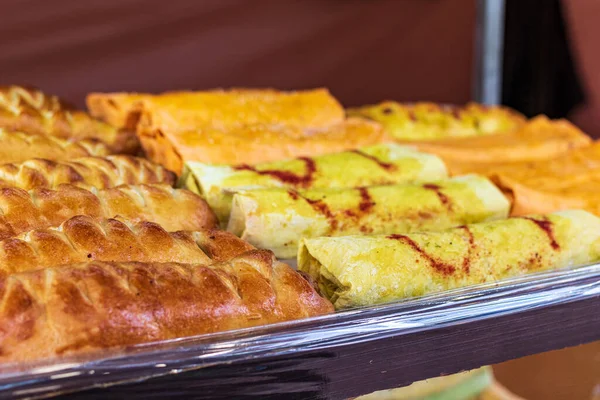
(342, 355)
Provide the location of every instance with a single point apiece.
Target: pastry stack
(164, 216)
(98, 249)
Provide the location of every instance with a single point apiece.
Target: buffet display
(157, 217)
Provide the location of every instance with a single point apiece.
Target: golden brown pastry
(568, 181)
(254, 144)
(429, 121)
(87, 172)
(539, 139)
(15, 96)
(173, 209)
(93, 306)
(221, 109)
(83, 238)
(32, 111)
(98, 172)
(19, 146)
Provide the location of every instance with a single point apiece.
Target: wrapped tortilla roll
(277, 219)
(364, 270)
(19, 146)
(83, 238)
(32, 111)
(426, 121)
(223, 109)
(375, 165)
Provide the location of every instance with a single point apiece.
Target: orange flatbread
(539, 139)
(255, 143)
(221, 109)
(566, 182)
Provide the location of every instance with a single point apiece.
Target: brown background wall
(363, 50)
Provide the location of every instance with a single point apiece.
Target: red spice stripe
(445, 200)
(286, 176)
(382, 164)
(545, 226)
(441, 267)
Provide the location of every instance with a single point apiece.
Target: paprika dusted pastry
(364, 270)
(427, 121)
(32, 111)
(98, 305)
(83, 238)
(276, 219)
(17, 147)
(375, 165)
(98, 172)
(173, 209)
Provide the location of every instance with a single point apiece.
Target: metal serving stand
(489, 47)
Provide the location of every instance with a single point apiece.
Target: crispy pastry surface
(430, 121)
(98, 172)
(97, 305)
(259, 143)
(83, 238)
(18, 146)
(32, 111)
(539, 139)
(222, 109)
(16, 96)
(173, 209)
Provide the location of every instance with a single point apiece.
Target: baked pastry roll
(83, 238)
(276, 219)
(539, 139)
(32, 111)
(13, 96)
(19, 146)
(569, 181)
(173, 209)
(427, 121)
(97, 305)
(254, 143)
(374, 165)
(364, 270)
(221, 109)
(98, 172)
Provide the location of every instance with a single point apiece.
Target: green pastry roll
(375, 165)
(276, 218)
(364, 270)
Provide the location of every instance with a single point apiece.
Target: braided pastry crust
(32, 111)
(19, 146)
(173, 209)
(87, 172)
(98, 305)
(83, 238)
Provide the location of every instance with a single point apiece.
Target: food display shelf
(341, 355)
